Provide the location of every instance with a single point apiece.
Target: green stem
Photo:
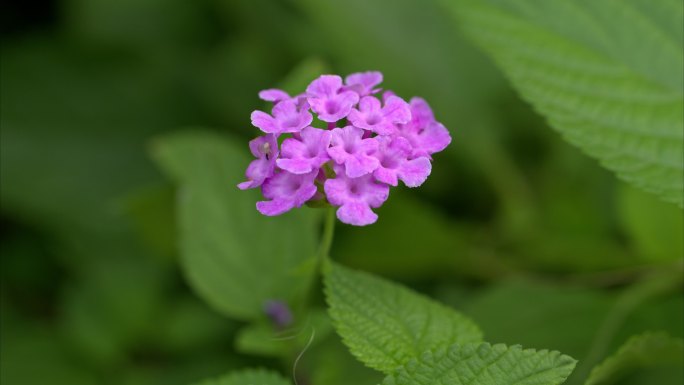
(328, 235)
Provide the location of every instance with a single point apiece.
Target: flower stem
(328, 235)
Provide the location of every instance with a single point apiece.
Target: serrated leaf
(234, 257)
(484, 364)
(606, 74)
(249, 377)
(640, 352)
(384, 324)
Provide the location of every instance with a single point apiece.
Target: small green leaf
(385, 325)
(262, 339)
(640, 352)
(249, 377)
(606, 74)
(484, 364)
(233, 256)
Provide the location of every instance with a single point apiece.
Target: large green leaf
(654, 229)
(607, 75)
(235, 258)
(640, 352)
(484, 364)
(386, 325)
(249, 377)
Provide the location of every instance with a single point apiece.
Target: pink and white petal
(353, 167)
(384, 128)
(369, 104)
(277, 186)
(317, 104)
(292, 148)
(305, 119)
(305, 193)
(257, 171)
(386, 95)
(421, 113)
(336, 190)
(247, 185)
(256, 145)
(357, 118)
(348, 134)
(348, 98)
(397, 110)
(357, 214)
(285, 109)
(325, 85)
(367, 79)
(273, 95)
(375, 194)
(323, 140)
(414, 172)
(265, 122)
(260, 169)
(400, 146)
(338, 154)
(368, 146)
(274, 207)
(435, 138)
(295, 166)
(315, 137)
(386, 175)
(332, 111)
(302, 102)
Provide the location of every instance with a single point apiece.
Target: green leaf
(233, 256)
(385, 325)
(640, 352)
(262, 339)
(484, 364)
(654, 228)
(606, 74)
(249, 377)
(576, 311)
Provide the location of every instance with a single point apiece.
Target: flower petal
(357, 214)
(396, 110)
(273, 95)
(265, 122)
(325, 85)
(295, 166)
(414, 172)
(274, 207)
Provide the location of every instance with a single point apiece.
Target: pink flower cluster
(368, 145)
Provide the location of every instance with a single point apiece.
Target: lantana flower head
(367, 145)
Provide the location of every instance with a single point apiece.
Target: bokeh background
(515, 227)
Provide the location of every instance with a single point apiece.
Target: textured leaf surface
(385, 325)
(640, 352)
(249, 377)
(235, 258)
(484, 364)
(606, 74)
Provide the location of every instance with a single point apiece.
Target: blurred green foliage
(524, 233)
